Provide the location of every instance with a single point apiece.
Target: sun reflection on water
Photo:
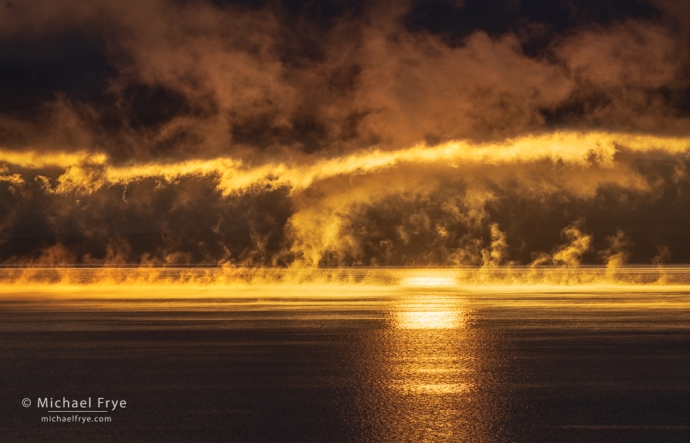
(430, 311)
(426, 361)
(430, 369)
(427, 320)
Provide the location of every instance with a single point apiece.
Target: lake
(424, 361)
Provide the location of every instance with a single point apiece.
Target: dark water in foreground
(408, 365)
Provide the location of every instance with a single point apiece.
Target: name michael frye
(64, 403)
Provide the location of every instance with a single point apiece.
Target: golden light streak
(429, 281)
(86, 172)
(515, 279)
(427, 319)
(430, 359)
(432, 388)
(429, 311)
(38, 160)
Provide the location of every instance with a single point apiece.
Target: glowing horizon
(83, 281)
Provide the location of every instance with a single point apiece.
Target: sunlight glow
(428, 320)
(433, 388)
(429, 281)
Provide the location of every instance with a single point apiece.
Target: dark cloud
(455, 20)
(145, 222)
(145, 80)
(411, 216)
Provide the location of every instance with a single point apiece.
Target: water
(351, 364)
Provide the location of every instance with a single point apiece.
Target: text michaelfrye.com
(74, 419)
(64, 410)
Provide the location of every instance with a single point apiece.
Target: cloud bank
(344, 133)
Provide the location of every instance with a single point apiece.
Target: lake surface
(350, 364)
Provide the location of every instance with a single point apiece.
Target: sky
(345, 133)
